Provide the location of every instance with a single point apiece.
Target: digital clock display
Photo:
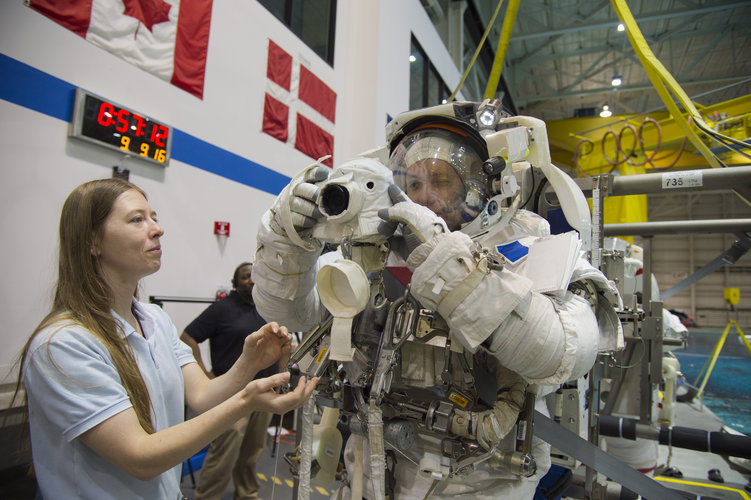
(103, 122)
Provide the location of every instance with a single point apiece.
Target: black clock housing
(103, 122)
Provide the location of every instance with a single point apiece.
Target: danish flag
(299, 108)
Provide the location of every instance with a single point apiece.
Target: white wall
(400, 20)
(41, 165)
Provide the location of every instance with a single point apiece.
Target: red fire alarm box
(221, 228)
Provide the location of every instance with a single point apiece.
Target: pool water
(728, 392)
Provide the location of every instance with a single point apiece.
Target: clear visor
(442, 171)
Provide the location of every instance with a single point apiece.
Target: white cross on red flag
(299, 108)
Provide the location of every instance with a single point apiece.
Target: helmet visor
(441, 170)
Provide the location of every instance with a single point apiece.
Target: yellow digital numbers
(160, 155)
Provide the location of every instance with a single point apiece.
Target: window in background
(313, 21)
(426, 87)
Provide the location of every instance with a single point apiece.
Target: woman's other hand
(266, 346)
(263, 397)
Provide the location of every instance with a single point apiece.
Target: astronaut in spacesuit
(452, 172)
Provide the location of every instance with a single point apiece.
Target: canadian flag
(168, 38)
(299, 108)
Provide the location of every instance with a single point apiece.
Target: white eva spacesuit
(522, 308)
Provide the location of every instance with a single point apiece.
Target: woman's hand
(260, 350)
(263, 397)
(266, 346)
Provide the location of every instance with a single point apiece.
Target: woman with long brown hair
(107, 378)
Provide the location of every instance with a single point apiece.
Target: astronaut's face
(435, 184)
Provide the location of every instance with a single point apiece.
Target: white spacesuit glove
(418, 223)
(296, 208)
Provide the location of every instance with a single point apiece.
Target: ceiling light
(412, 58)
(605, 112)
(621, 27)
(616, 81)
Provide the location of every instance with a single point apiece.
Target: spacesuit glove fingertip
(387, 228)
(321, 173)
(396, 194)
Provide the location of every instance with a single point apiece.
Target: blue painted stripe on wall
(193, 151)
(31, 88)
(28, 87)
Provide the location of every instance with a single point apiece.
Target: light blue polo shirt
(72, 386)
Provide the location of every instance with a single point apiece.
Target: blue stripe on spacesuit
(31, 88)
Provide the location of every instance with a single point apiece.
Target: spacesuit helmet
(437, 156)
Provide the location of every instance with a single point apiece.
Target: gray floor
(273, 472)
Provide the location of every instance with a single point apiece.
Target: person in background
(225, 324)
(107, 378)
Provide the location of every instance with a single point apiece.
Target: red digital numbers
(122, 120)
(106, 111)
(139, 128)
(158, 134)
(162, 136)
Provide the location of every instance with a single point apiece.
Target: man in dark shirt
(225, 324)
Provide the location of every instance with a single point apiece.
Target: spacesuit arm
(287, 258)
(547, 340)
(284, 275)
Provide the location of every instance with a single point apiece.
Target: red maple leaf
(149, 12)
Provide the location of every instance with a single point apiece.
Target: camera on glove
(350, 199)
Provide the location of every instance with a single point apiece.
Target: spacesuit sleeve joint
(586, 290)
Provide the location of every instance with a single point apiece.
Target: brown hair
(82, 296)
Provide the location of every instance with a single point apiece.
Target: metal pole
(645, 406)
(738, 178)
(597, 221)
(691, 260)
(679, 227)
